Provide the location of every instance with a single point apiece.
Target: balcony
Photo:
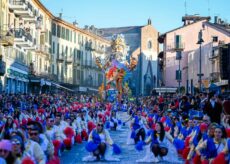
(23, 38)
(174, 47)
(43, 49)
(60, 57)
(69, 59)
(17, 5)
(22, 8)
(6, 38)
(214, 54)
(215, 76)
(76, 63)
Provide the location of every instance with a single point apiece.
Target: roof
(120, 30)
(195, 18)
(220, 26)
(70, 25)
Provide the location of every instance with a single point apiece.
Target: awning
(59, 86)
(82, 89)
(167, 90)
(93, 89)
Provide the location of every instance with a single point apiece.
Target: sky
(165, 14)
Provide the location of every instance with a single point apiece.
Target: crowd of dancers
(36, 129)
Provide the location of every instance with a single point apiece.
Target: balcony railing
(23, 38)
(175, 47)
(69, 59)
(17, 4)
(43, 49)
(60, 57)
(215, 76)
(22, 8)
(6, 38)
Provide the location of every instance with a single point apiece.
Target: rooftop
(120, 30)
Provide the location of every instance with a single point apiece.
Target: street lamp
(200, 41)
(178, 72)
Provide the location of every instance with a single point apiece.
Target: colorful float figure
(117, 69)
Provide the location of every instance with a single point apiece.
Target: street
(129, 153)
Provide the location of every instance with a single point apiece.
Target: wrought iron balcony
(69, 59)
(23, 38)
(60, 57)
(17, 5)
(215, 76)
(22, 8)
(6, 38)
(43, 49)
(175, 47)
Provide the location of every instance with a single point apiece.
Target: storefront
(16, 81)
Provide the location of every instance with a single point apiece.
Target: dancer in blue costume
(98, 145)
(159, 146)
(138, 125)
(211, 147)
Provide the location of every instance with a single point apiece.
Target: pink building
(214, 34)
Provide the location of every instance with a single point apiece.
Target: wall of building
(34, 44)
(190, 54)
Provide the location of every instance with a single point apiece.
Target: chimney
(60, 15)
(75, 23)
(86, 27)
(219, 21)
(216, 19)
(149, 22)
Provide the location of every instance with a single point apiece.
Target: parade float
(117, 68)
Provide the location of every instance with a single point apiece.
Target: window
(40, 63)
(75, 55)
(215, 38)
(52, 69)
(78, 74)
(66, 51)
(70, 54)
(70, 36)
(63, 33)
(53, 47)
(82, 76)
(50, 38)
(54, 29)
(78, 55)
(58, 31)
(79, 39)
(67, 34)
(149, 45)
(62, 51)
(58, 48)
(74, 37)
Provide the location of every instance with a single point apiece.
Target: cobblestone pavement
(128, 155)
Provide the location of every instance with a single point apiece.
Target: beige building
(46, 51)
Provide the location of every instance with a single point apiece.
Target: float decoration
(116, 67)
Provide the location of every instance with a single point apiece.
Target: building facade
(143, 45)
(213, 34)
(41, 51)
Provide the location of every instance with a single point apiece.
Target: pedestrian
(213, 109)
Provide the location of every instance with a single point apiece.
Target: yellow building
(46, 51)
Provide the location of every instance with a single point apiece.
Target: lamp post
(200, 41)
(178, 73)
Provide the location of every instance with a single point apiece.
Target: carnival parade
(44, 128)
(118, 90)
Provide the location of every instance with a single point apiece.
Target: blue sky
(165, 14)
